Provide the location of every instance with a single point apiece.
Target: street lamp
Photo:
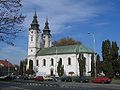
(93, 36)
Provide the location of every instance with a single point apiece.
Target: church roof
(69, 49)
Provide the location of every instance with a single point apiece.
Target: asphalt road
(56, 86)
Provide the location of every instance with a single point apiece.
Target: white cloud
(61, 12)
(102, 23)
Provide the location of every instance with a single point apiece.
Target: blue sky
(68, 18)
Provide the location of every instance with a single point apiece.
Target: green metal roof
(64, 50)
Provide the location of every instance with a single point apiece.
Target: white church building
(45, 57)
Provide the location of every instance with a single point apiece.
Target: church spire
(35, 18)
(46, 28)
(34, 24)
(46, 24)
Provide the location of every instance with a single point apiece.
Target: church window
(52, 62)
(43, 36)
(31, 31)
(31, 50)
(69, 61)
(37, 63)
(44, 62)
(60, 61)
(31, 38)
(30, 64)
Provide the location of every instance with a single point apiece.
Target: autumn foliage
(65, 42)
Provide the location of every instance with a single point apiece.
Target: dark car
(66, 79)
(39, 78)
(83, 79)
(102, 80)
(6, 78)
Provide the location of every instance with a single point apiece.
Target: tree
(98, 64)
(81, 62)
(115, 56)
(24, 65)
(21, 68)
(65, 41)
(107, 59)
(10, 20)
(60, 68)
(16, 69)
(114, 51)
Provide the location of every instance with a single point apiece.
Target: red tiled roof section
(6, 63)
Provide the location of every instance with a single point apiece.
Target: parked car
(56, 79)
(102, 80)
(66, 79)
(39, 78)
(48, 78)
(6, 78)
(83, 79)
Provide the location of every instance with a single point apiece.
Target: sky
(68, 18)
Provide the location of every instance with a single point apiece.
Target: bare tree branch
(10, 20)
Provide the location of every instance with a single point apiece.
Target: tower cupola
(34, 24)
(46, 28)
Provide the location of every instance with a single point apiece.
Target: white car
(48, 78)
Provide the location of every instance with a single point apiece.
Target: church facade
(45, 57)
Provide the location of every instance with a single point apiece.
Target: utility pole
(56, 61)
(93, 36)
(8, 66)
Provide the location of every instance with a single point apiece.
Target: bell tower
(33, 41)
(46, 36)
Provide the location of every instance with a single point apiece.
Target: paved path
(116, 81)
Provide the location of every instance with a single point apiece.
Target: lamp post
(93, 36)
(56, 61)
(8, 67)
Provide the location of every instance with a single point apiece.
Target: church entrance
(51, 72)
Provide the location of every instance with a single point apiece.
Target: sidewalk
(115, 81)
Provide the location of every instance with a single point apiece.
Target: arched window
(69, 61)
(31, 64)
(44, 62)
(52, 62)
(37, 64)
(60, 61)
(32, 32)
